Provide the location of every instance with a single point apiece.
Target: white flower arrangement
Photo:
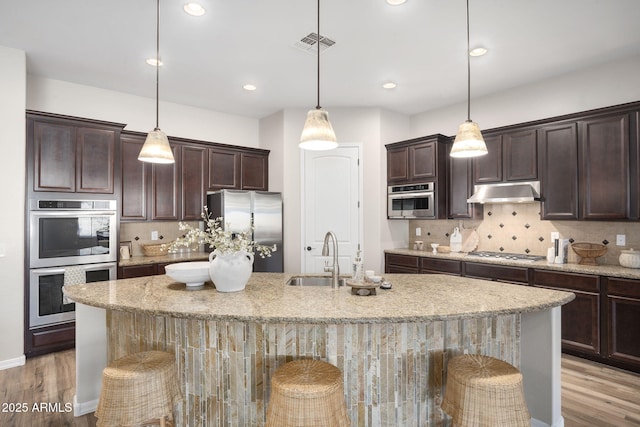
(214, 235)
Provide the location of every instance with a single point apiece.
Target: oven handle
(72, 213)
(410, 195)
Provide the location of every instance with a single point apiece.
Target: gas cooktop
(505, 256)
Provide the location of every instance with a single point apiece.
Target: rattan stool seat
(307, 393)
(137, 388)
(483, 392)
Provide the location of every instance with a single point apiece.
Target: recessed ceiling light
(153, 62)
(396, 2)
(194, 9)
(478, 51)
(249, 87)
(389, 85)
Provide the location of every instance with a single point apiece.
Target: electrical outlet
(418, 231)
(154, 235)
(621, 240)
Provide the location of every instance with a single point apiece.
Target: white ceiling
(420, 45)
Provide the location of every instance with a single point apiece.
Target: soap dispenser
(358, 268)
(455, 241)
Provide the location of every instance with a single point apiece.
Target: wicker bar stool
(307, 393)
(483, 391)
(138, 389)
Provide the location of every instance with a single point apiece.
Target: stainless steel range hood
(506, 192)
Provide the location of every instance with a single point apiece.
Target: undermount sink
(312, 281)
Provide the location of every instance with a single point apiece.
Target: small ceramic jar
(630, 258)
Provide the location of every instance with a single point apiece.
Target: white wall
(138, 113)
(12, 219)
(608, 84)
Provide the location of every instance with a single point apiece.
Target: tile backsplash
(518, 228)
(139, 233)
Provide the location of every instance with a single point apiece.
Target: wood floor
(593, 395)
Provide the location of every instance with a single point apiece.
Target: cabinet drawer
(623, 287)
(403, 260)
(52, 336)
(138, 271)
(578, 282)
(496, 272)
(432, 265)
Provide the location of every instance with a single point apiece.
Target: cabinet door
(254, 171)
(488, 168)
(440, 266)
(517, 275)
(460, 189)
(604, 166)
(623, 303)
(55, 157)
(559, 157)
(422, 162)
(95, 160)
(165, 188)
(194, 195)
(135, 175)
(580, 317)
(224, 169)
(132, 271)
(398, 165)
(520, 155)
(394, 263)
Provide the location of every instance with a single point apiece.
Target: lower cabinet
(581, 329)
(440, 266)
(499, 273)
(49, 339)
(394, 263)
(132, 271)
(623, 306)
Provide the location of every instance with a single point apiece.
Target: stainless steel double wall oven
(69, 241)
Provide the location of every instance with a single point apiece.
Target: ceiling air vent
(308, 43)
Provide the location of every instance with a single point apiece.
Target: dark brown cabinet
(224, 169)
(440, 266)
(516, 275)
(194, 166)
(559, 181)
(623, 305)
(133, 271)
(460, 188)
(71, 155)
(395, 263)
(603, 160)
(165, 188)
(580, 317)
(512, 156)
(135, 178)
(254, 171)
(417, 160)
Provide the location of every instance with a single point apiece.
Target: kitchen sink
(312, 281)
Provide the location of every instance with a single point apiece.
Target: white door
(331, 202)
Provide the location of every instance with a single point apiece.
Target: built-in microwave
(411, 201)
(72, 232)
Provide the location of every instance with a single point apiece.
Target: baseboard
(12, 363)
(536, 423)
(83, 408)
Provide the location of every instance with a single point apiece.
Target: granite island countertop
(267, 298)
(599, 270)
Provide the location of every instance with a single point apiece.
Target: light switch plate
(418, 231)
(154, 235)
(621, 240)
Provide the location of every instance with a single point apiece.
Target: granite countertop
(178, 257)
(267, 298)
(600, 270)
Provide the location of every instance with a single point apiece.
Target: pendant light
(156, 148)
(469, 141)
(317, 133)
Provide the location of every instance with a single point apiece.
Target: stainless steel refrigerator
(239, 208)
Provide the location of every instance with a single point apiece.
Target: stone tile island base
(394, 373)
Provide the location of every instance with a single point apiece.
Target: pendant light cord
(318, 71)
(468, 70)
(157, 63)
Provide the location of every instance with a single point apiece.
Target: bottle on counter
(357, 273)
(455, 241)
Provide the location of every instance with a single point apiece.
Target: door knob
(308, 248)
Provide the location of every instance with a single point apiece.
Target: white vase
(230, 272)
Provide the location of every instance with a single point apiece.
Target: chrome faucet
(335, 268)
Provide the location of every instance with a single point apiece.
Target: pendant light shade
(156, 148)
(469, 141)
(317, 133)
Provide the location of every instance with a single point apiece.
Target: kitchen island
(392, 347)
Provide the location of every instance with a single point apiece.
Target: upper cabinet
(512, 156)
(178, 191)
(417, 160)
(71, 155)
(587, 167)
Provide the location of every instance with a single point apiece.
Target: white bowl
(630, 258)
(189, 273)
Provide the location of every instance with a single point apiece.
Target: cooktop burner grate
(506, 256)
